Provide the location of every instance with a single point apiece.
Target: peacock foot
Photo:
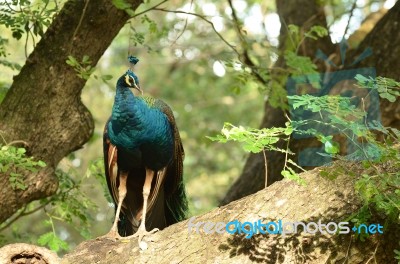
(112, 235)
(140, 233)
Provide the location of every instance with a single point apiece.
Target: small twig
(373, 255)
(247, 59)
(287, 30)
(149, 9)
(236, 20)
(26, 45)
(353, 7)
(348, 249)
(33, 37)
(184, 26)
(266, 168)
(37, 208)
(18, 142)
(14, 219)
(204, 19)
(78, 26)
(393, 186)
(286, 153)
(23, 213)
(9, 6)
(1, 136)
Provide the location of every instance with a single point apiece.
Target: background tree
(315, 15)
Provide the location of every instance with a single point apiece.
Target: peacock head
(130, 80)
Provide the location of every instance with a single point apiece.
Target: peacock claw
(112, 235)
(140, 233)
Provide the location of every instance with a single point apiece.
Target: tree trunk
(303, 13)
(43, 106)
(321, 199)
(384, 42)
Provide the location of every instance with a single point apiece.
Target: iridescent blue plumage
(141, 141)
(136, 124)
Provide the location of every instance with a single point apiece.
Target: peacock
(143, 159)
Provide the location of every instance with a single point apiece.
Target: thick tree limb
(384, 41)
(25, 253)
(43, 106)
(321, 199)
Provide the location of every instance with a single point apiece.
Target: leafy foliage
(302, 68)
(13, 161)
(387, 88)
(96, 170)
(254, 140)
(21, 15)
(122, 4)
(24, 17)
(397, 254)
(337, 115)
(3, 53)
(70, 205)
(84, 68)
(257, 140)
(51, 240)
(379, 187)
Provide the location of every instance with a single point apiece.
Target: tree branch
(204, 19)
(319, 200)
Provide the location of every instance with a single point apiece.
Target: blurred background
(185, 61)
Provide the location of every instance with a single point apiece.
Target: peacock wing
(174, 171)
(110, 164)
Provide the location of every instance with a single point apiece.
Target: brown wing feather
(174, 171)
(133, 204)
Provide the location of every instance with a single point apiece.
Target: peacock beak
(137, 87)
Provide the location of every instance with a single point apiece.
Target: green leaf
(388, 96)
(45, 239)
(293, 29)
(41, 164)
(252, 148)
(17, 35)
(121, 4)
(52, 241)
(331, 147)
(21, 151)
(72, 61)
(85, 59)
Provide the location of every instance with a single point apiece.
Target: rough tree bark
(321, 199)
(43, 106)
(384, 42)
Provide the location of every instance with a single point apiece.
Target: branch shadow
(301, 247)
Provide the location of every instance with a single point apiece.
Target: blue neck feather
(136, 126)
